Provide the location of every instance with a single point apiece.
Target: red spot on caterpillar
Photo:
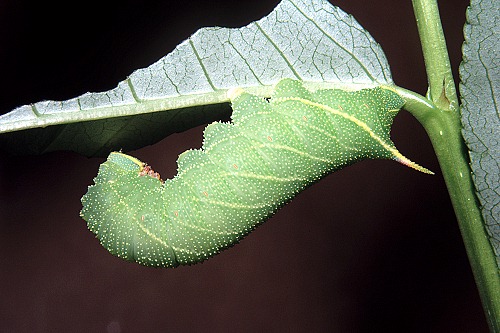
(270, 139)
(148, 171)
(341, 108)
(205, 194)
(304, 117)
(235, 166)
(142, 218)
(176, 213)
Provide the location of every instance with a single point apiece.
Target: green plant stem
(443, 128)
(442, 124)
(442, 91)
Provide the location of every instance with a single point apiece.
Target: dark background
(372, 248)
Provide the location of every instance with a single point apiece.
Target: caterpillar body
(244, 172)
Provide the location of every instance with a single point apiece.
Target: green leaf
(309, 40)
(480, 91)
(244, 172)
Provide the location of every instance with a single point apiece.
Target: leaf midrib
(157, 105)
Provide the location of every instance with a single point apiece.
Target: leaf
(309, 40)
(480, 94)
(244, 172)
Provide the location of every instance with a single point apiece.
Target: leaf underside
(480, 91)
(308, 40)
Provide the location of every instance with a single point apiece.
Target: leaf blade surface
(310, 40)
(480, 95)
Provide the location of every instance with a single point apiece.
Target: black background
(372, 248)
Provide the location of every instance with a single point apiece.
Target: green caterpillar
(244, 172)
